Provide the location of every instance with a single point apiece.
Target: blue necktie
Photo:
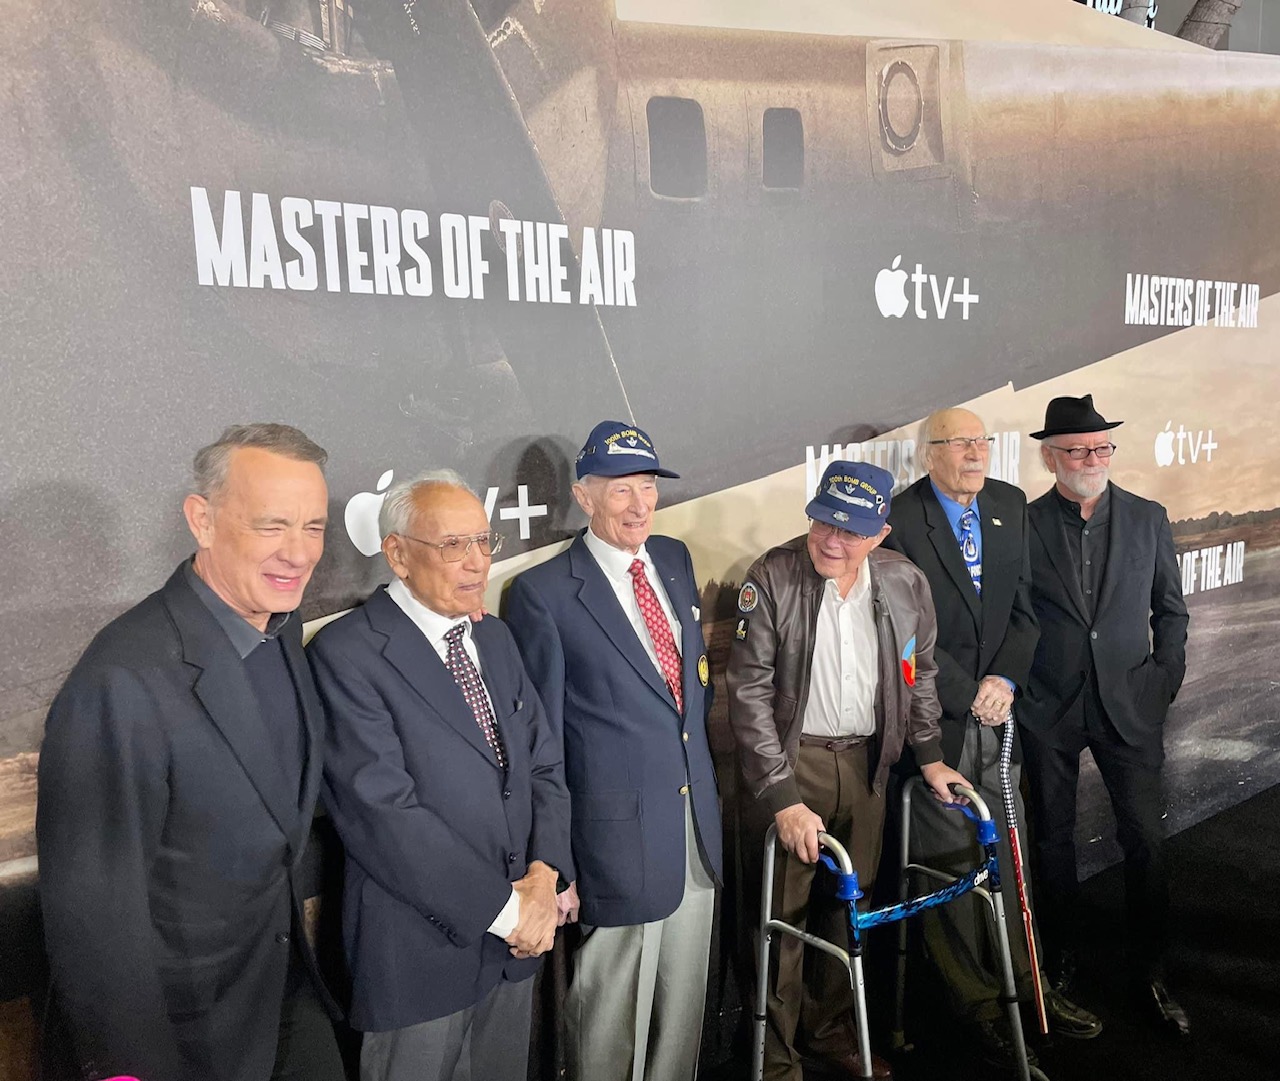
(969, 549)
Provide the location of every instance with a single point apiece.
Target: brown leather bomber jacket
(770, 659)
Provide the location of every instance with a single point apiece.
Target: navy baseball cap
(617, 449)
(853, 496)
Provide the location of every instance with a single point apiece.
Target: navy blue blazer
(169, 837)
(435, 832)
(628, 752)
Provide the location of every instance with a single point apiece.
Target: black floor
(1224, 969)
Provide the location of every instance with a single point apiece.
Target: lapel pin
(996, 521)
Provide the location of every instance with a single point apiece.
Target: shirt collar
(1101, 509)
(432, 624)
(245, 637)
(615, 562)
(951, 508)
(859, 591)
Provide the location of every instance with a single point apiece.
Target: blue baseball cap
(853, 496)
(618, 449)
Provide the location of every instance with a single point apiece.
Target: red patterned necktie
(468, 680)
(664, 642)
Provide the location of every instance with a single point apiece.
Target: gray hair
(209, 469)
(397, 507)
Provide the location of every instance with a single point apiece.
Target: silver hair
(397, 508)
(209, 470)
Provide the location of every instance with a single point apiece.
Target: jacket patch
(909, 662)
(740, 632)
(748, 597)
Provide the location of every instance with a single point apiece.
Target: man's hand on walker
(798, 829)
(938, 775)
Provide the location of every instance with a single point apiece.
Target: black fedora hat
(1073, 415)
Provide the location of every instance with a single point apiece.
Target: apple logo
(361, 516)
(891, 290)
(1164, 446)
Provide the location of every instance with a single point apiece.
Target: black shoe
(1162, 1008)
(996, 1046)
(1067, 1019)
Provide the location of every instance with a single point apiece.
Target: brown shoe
(848, 1065)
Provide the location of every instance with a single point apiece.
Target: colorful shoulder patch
(909, 662)
(748, 597)
(740, 631)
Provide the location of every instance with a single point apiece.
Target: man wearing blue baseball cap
(830, 673)
(610, 634)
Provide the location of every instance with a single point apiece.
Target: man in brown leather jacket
(830, 672)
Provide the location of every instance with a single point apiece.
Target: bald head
(958, 471)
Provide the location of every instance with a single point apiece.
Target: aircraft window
(783, 149)
(677, 148)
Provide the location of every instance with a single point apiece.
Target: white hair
(928, 432)
(398, 506)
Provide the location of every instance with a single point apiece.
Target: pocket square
(697, 612)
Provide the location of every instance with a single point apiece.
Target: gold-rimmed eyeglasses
(846, 536)
(455, 549)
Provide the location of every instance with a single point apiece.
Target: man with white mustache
(1111, 657)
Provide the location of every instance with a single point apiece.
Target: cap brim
(623, 469)
(1044, 433)
(866, 526)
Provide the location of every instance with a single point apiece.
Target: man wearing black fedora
(1111, 656)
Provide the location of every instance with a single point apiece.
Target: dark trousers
(810, 1000)
(307, 1049)
(1132, 776)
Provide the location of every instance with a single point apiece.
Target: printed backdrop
(439, 233)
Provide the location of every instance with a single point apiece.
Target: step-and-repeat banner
(438, 233)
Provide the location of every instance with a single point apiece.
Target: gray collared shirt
(245, 637)
(1089, 544)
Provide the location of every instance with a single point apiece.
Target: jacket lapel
(1046, 520)
(602, 605)
(672, 581)
(947, 548)
(1119, 531)
(313, 719)
(224, 690)
(410, 654)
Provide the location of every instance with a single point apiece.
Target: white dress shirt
(846, 671)
(616, 564)
(434, 627)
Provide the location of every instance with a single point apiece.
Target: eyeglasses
(961, 442)
(455, 549)
(1079, 454)
(846, 536)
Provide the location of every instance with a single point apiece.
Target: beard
(1085, 485)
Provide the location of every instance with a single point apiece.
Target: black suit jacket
(1136, 641)
(994, 634)
(168, 838)
(435, 831)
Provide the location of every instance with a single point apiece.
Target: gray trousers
(957, 937)
(485, 1042)
(635, 1003)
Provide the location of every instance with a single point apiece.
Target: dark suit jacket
(168, 837)
(994, 634)
(1136, 641)
(435, 831)
(628, 753)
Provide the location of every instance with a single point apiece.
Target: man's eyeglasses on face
(962, 442)
(455, 549)
(847, 537)
(1079, 454)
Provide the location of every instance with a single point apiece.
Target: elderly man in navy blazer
(447, 788)
(610, 633)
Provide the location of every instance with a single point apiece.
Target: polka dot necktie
(664, 642)
(969, 549)
(468, 680)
